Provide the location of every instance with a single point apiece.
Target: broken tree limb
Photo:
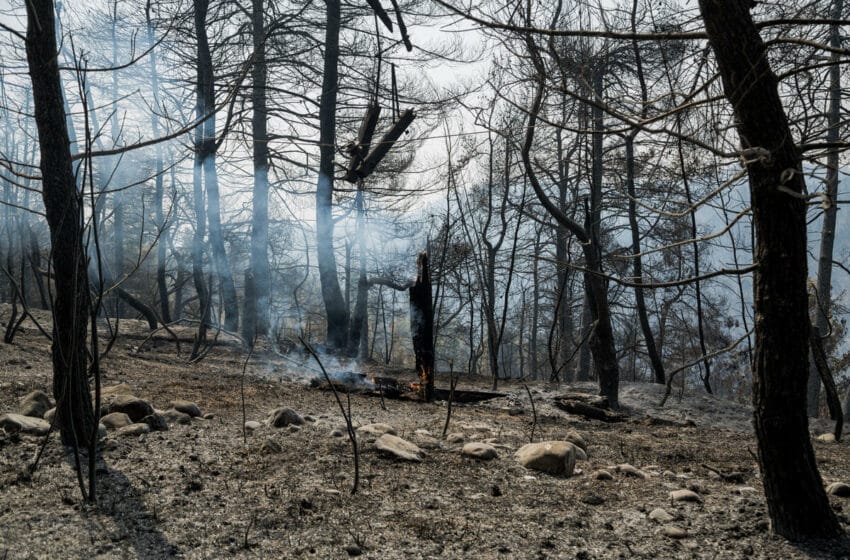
(832, 400)
(402, 28)
(381, 13)
(371, 161)
(360, 148)
(390, 283)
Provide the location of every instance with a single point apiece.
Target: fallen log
(594, 410)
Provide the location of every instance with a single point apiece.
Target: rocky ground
(677, 482)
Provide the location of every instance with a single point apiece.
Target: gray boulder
(132, 406)
(18, 423)
(35, 404)
(376, 430)
(685, 496)
(283, 417)
(173, 416)
(576, 439)
(116, 420)
(136, 429)
(552, 457)
(156, 422)
(186, 407)
(399, 448)
(481, 451)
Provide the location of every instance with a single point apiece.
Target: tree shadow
(131, 521)
(833, 549)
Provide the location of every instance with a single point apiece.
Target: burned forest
(406, 279)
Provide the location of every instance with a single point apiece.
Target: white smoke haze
(438, 177)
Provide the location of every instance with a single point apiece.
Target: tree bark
(208, 148)
(602, 344)
(337, 312)
(256, 317)
(359, 318)
(796, 500)
(535, 307)
(75, 414)
(161, 260)
(827, 239)
(640, 301)
(422, 326)
(116, 268)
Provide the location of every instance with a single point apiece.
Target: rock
(156, 422)
(838, 489)
(423, 433)
(309, 418)
(630, 470)
(601, 475)
(50, 415)
(282, 417)
(399, 448)
(376, 430)
(455, 438)
(174, 416)
(293, 429)
(114, 390)
(336, 432)
(685, 496)
(428, 442)
(270, 447)
(576, 439)
(674, 532)
(353, 550)
(580, 454)
(209, 416)
(132, 406)
(252, 425)
(35, 404)
(186, 407)
(660, 515)
(826, 438)
(115, 420)
(553, 457)
(697, 486)
(742, 490)
(18, 423)
(482, 451)
(101, 431)
(593, 500)
(136, 429)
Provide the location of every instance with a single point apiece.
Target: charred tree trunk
(422, 326)
(535, 308)
(337, 312)
(256, 317)
(75, 414)
(602, 340)
(640, 301)
(796, 500)
(827, 239)
(358, 319)
(116, 270)
(161, 259)
(207, 151)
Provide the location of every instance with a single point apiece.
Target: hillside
(197, 491)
